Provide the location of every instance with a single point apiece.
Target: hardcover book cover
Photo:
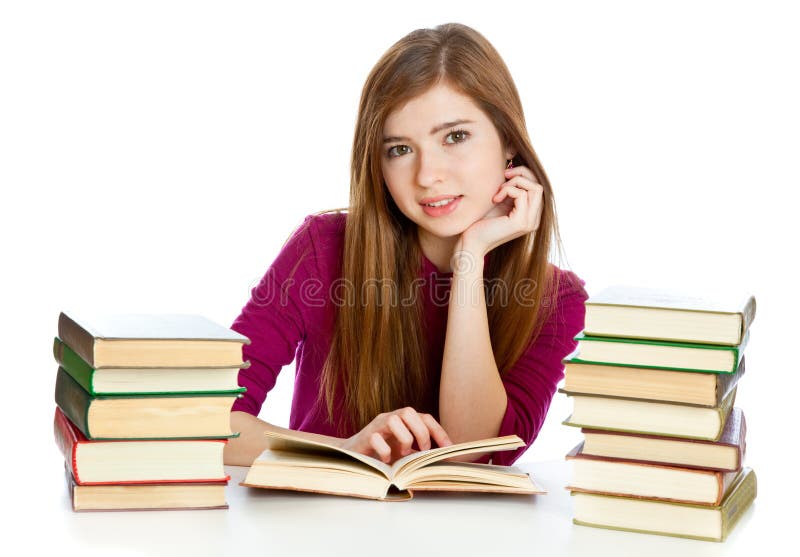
(654, 517)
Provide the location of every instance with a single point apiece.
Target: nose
(431, 168)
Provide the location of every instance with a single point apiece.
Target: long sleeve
(275, 318)
(533, 380)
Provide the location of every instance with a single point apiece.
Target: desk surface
(268, 522)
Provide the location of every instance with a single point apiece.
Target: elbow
(244, 449)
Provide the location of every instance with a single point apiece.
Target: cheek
(482, 180)
(483, 173)
(397, 185)
(400, 199)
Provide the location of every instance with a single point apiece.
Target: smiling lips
(443, 205)
(438, 200)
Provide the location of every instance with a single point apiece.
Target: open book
(302, 461)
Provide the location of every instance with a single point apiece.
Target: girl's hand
(517, 212)
(390, 436)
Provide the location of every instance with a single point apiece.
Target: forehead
(440, 103)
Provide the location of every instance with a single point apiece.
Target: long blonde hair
(377, 354)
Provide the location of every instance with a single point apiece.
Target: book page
(423, 458)
(470, 476)
(322, 461)
(281, 439)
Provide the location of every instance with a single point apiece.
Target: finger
(414, 422)
(505, 191)
(521, 203)
(437, 431)
(510, 191)
(536, 190)
(524, 182)
(380, 447)
(520, 171)
(401, 433)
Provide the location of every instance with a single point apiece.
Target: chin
(443, 229)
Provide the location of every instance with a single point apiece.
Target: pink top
(299, 322)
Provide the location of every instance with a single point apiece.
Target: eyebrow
(436, 129)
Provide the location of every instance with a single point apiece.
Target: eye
(463, 134)
(399, 150)
(393, 150)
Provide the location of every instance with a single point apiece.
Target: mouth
(440, 201)
(442, 206)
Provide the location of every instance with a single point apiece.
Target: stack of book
(653, 382)
(143, 409)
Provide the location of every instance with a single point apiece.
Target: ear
(509, 153)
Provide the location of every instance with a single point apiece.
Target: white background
(154, 156)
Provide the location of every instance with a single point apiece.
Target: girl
(428, 313)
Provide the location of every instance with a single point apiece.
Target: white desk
(267, 522)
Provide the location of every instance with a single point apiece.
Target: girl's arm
(472, 398)
(243, 450)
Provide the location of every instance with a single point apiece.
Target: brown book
(146, 497)
(726, 454)
(145, 340)
(612, 476)
(687, 387)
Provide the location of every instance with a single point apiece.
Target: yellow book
(652, 418)
(712, 523)
(669, 314)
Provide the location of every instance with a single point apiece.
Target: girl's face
(440, 144)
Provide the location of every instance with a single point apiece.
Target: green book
(143, 380)
(679, 356)
(685, 520)
(178, 416)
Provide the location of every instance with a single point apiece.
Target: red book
(137, 462)
(613, 476)
(725, 455)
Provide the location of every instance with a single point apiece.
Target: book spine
(739, 501)
(73, 400)
(70, 486)
(739, 350)
(727, 381)
(67, 442)
(742, 444)
(724, 410)
(748, 315)
(73, 364)
(77, 338)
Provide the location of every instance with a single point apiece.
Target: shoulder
(317, 243)
(566, 294)
(325, 229)
(326, 221)
(564, 284)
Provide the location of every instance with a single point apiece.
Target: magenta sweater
(298, 322)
